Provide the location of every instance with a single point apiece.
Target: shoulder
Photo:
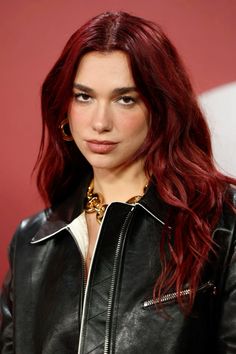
(26, 230)
(29, 226)
(232, 195)
(35, 221)
(228, 217)
(224, 233)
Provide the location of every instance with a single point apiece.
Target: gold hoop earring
(65, 130)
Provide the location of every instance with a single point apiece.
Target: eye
(126, 100)
(82, 97)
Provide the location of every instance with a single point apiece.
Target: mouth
(101, 146)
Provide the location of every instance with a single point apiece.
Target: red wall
(32, 35)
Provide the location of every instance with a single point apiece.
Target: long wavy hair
(177, 148)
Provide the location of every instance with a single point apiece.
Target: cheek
(72, 116)
(77, 120)
(136, 127)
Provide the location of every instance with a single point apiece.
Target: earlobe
(65, 130)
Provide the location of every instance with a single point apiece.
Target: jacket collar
(154, 205)
(60, 216)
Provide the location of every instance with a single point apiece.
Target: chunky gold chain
(94, 202)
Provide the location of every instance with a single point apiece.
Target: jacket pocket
(171, 297)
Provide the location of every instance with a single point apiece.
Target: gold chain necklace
(94, 202)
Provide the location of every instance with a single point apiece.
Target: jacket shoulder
(29, 226)
(228, 215)
(231, 193)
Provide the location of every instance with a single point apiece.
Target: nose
(102, 119)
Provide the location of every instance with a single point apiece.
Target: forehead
(104, 68)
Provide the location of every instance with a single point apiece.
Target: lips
(101, 147)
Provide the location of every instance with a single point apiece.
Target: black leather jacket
(47, 307)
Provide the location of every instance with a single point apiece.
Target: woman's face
(107, 116)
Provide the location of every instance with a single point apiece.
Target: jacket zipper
(173, 296)
(113, 282)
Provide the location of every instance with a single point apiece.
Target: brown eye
(82, 97)
(126, 100)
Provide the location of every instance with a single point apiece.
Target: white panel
(219, 105)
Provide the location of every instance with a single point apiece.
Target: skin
(109, 123)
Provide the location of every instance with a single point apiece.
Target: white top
(79, 229)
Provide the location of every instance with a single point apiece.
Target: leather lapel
(60, 216)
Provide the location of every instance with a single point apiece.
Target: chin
(107, 164)
(103, 166)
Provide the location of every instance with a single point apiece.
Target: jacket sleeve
(6, 309)
(227, 330)
(27, 227)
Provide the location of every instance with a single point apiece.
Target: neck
(122, 184)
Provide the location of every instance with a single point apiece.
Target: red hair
(178, 146)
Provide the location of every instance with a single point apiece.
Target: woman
(134, 253)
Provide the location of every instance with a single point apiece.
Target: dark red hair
(177, 149)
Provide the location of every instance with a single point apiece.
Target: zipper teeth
(173, 296)
(165, 298)
(109, 307)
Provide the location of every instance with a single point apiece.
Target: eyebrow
(116, 91)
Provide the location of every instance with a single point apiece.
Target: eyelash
(85, 98)
(129, 98)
